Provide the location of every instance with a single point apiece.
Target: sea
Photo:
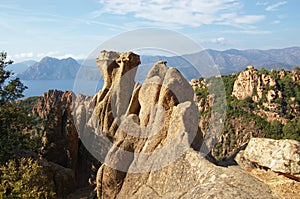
(38, 87)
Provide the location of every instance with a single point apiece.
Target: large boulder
(278, 155)
(147, 136)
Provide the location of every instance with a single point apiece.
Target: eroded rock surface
(278, 155)
(148, 135)
(250, 83)
(274, 162)
(61, 145)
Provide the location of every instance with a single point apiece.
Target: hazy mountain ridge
(190, 65)
(233, 61)
(51, 68)
(228, 61)
(21, 66)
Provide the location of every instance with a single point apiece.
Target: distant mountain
(21, 66)
(232, 61)
(204, 63)
(229, 61)
(51, 68)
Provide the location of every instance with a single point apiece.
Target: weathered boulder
(278, 155)
(148, 135)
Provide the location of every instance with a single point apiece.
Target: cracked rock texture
(278, 155)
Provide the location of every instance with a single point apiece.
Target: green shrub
(24, 178)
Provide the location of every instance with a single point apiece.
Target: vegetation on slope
(243, 118)
(20, 177)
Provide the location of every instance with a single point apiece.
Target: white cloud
(80, 56)
(276, 22)
(220, 40)
(248, 32)
(23, 55)
(182, 12)
(262, 3)
(47, 54)
(248, 19)
(59, 55)
(274, 7)
(38, 56)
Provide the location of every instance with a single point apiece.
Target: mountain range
(50, 68)
(227, 62)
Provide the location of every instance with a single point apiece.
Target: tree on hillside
(13, 119)
(20, 177)
(10, 88)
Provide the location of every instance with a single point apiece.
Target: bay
(38, 87)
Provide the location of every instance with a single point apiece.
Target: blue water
(38, 87)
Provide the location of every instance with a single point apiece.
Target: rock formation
(147, 136)
(278, 155)
(61, 145)
(275, 162)
(60, 139)
(250, 82)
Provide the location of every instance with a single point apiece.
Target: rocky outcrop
(278, 155)
(60, 138)
(295, 75)
(250, 83)
(147, 136)
(60, 142)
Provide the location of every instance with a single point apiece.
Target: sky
(33, 29)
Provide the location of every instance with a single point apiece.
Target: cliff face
(60, 141)
(250, 83)
(147, 136)
(266, 88)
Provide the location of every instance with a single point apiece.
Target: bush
(24, 178)
(15, 124)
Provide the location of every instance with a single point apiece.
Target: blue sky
(32, 29)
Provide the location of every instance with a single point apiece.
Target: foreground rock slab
(281, 185)
(192, 176)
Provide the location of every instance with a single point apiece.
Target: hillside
(21, 66)
(51, 68)
(260, 103)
